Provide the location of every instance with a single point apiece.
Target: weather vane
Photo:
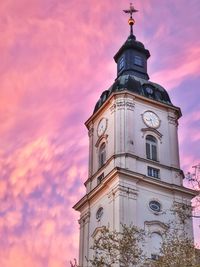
(131, 21)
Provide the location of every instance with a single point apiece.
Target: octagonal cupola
(132, 56)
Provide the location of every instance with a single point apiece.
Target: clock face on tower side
(151, 119)
(102, 126)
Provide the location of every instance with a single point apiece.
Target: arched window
(102, 154)
(99, 214)
(151, 147)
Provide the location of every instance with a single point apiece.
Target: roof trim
(136, 96)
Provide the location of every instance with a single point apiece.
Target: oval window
(99, 213)
(155, 206)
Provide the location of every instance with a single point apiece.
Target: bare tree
(124, 248)
(112, 247)
(176, 251)
(74, 263)
(193, 179)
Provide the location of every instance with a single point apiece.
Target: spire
(132, 56)
(131, 21)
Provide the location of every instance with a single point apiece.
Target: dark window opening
(151, 148)
(158, 95)
(102, 155)
(138, 61)
(154, 257)
(149, 90)
(121, 63)
(152, 172)
(155, 206)
(99, 213)
(100, 178)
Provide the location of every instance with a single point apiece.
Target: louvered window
(121, 63)
(151, 147)
(138, 61)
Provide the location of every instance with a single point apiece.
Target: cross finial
(131, 21)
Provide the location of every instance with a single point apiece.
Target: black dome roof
(133, 44)
(136, 85)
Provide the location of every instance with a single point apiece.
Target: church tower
(134, 172)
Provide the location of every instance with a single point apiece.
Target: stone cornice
(84, 218)
(126, 94)
(140, 179)
(94, 191)
(152, 162)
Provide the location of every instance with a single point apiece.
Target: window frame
(121, 63)
(154, 202)
(151, 171)
(155, 250)
(138, 61)
(151, 147)
(100, 178)
(102, 154)
(154, 256)
(99, 213)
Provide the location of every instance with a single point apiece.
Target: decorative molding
(177, 189)
(124, 191)
(97, 230)
(91, 132)
(103, 137)
(130, 105)
(113, 108)
(173, 120)
(151, 130)
(131, 155)
(84, 218)
(131, 96)
(122, 103)
(156, 227)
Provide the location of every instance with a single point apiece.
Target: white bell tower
(134, 170)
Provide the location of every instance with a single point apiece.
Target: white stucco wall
(126, 190)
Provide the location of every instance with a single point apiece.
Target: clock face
(151, 119)
(102, 126)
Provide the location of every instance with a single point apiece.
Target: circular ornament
(102, 126)
(151, 119)
(155, 206)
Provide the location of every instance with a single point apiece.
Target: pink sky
(56, 59)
